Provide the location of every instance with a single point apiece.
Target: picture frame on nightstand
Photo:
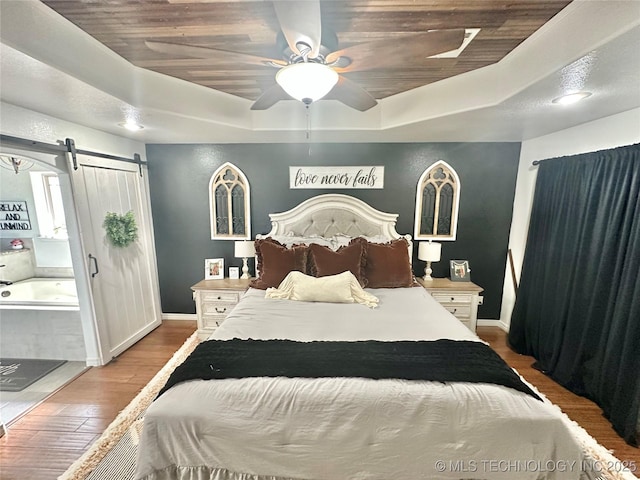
(234, 273)
(214, 268)
(460, 270)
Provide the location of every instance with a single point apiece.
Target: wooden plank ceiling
(251, 27)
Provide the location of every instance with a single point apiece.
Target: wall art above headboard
(336, 177)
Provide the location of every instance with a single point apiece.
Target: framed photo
(214, 268)
(460, 271)
(234, 273)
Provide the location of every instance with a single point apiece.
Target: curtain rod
(631, 145)
(70, 147)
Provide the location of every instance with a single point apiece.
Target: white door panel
(123, 280)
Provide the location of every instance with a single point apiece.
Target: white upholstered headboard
(332, 214)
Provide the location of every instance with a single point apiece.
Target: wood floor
(45, 442)
(579, 409)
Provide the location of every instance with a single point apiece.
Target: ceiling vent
(469, 34)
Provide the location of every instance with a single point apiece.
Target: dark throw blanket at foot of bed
(438, 360)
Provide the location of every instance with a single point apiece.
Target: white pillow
(341, 288)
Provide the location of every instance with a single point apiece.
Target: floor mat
(17, 374)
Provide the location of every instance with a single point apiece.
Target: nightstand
(214, 300)
(460, 298)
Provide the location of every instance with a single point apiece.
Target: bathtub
(40, 318)
(40, 293)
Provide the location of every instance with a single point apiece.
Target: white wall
(17, 188)
(24, 123)
(47, 252)
(609, 132)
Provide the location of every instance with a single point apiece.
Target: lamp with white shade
(244, 249)
(429, 252)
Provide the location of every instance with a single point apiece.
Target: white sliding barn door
(123, 280)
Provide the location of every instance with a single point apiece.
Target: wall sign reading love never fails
(336, 177)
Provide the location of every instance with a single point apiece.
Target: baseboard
(93, 362)
(192, 317)
(493, 323)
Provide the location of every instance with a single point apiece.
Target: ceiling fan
(311, 56)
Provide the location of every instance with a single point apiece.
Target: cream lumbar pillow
(340, 288)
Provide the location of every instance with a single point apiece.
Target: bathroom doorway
(39, 308)
(118, 293)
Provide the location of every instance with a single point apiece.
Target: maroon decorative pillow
(275, 261)
(388, 264)
(323, 261)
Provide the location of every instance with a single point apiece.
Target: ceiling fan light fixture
(307, 81)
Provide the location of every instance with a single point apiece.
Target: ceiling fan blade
(300, 22)
(352, 95)
(402, 51)
(270, 97)
(223, 56)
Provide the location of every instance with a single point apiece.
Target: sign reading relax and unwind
(336, 177)
(14, 216)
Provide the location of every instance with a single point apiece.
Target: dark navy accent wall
(179, 179)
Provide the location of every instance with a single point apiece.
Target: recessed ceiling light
(571, 98)
(132, 126)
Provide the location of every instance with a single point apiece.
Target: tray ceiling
(86, 62)
(251, 27)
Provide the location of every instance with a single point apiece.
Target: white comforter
(337, 428)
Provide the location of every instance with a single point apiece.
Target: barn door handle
(95, 264)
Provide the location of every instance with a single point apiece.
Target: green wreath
(121, 229)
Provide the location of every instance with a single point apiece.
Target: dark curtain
(578, 305)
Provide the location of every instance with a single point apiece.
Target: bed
(348, 427)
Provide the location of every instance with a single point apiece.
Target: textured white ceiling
(50, 66)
